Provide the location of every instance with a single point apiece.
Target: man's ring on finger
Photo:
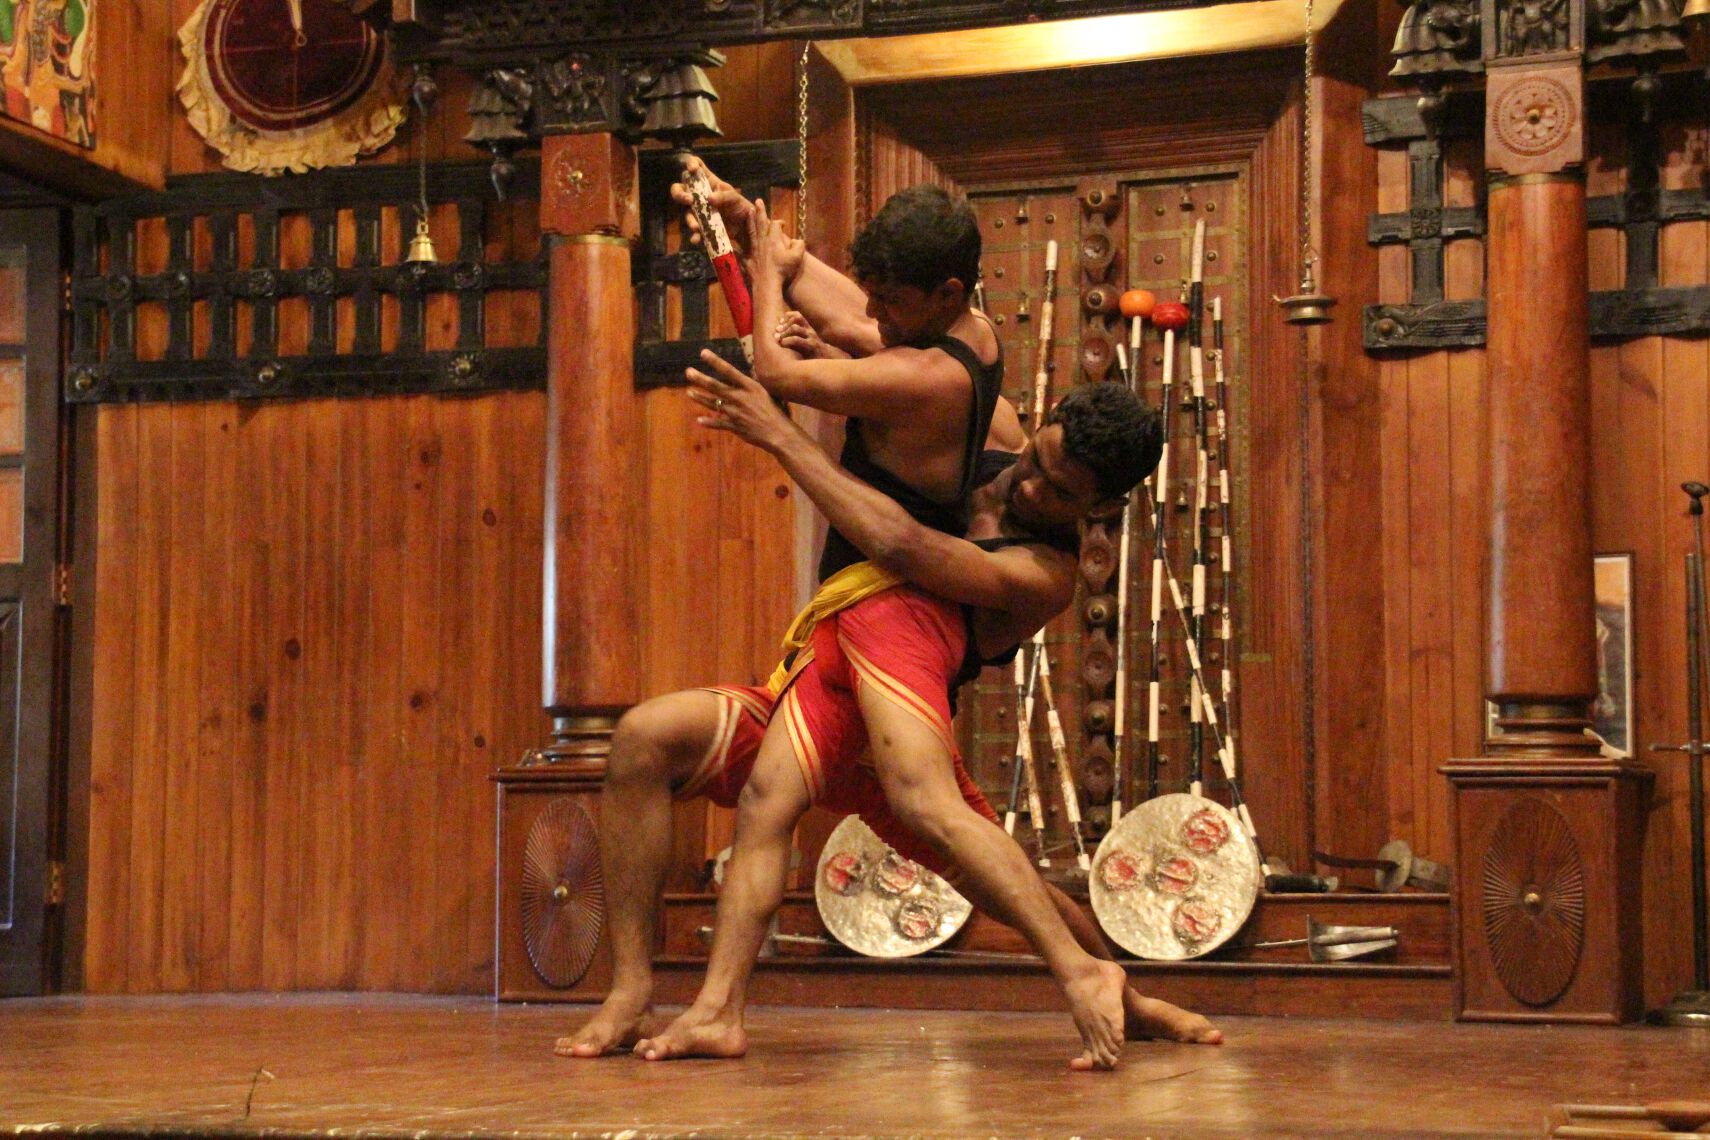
(718, 403)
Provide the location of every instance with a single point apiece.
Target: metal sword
(1692, 1007)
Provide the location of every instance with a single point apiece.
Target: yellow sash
(838, 592)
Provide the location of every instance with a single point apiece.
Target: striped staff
(1136, 305)
(1225, 754)
(1060, 755)
(1167, 316)
(716, 241)
(1224, 525)
(1042, 371)
(1196, 375)
(1026, 772)
(1024, 691)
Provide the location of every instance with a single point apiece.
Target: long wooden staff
(1042, 372)
(1136, 305)
(1225, 757)
(1119, 763)
(1224, 524)
(716, 241)
(1196, 375)
(1060, 753)
(1159, 483)
(1024, 757)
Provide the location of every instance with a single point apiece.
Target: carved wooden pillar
(1541, 666)
(1546, 831)
(551, 889)
(593, 446)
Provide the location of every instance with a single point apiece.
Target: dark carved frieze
(788, 16)
(492, 33)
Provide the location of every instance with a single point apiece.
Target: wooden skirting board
(1413, 981)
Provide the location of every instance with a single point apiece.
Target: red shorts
(906, 644)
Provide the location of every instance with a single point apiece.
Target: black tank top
(991, 464)
(950, 517)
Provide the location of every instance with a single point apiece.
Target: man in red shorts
(878, 674)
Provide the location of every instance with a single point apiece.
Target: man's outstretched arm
(900, 385)
(835, 305)
(1022, 580)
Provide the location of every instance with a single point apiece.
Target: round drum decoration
(877, 903)
(1175, 878)
(278, 85)
(563, 893)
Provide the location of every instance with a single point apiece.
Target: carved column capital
(1534, 116)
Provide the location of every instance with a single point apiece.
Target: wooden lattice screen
(232, 286)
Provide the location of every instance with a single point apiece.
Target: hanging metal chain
(801, 141)
(1306, 255)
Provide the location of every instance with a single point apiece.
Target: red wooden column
(1546, 830)
(551, 890)
(594, 474)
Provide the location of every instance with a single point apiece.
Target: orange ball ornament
(1137, 303)
(1168, 315)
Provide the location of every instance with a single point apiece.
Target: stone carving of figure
(1532, 26)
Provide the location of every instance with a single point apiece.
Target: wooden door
(29, 511)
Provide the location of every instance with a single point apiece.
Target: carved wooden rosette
(1100, 553)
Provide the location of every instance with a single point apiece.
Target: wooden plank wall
(316, 630)
(1650, 432)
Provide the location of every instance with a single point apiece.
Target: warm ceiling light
(1209, 30)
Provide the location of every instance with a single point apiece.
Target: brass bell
(1694, 11)
(1310, 308)
(421, 246)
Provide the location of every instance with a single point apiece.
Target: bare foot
(1149, 1019)
(1095, 1002)
(696, 1033)
(615, 1026)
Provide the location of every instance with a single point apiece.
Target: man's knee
(927, 813)
(653, 739)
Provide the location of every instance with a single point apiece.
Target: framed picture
(1612, 711)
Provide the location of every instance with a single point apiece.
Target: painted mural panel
(46, 66)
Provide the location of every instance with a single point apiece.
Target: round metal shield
(1175, 878)
(876, 902)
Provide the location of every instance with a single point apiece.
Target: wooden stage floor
(386, 1066)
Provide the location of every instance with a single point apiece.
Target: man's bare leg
(996, 876)
(1145, 1018)
(773, 801)
(655, 747)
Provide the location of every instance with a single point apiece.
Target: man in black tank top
(1019, 567)
(918, 372)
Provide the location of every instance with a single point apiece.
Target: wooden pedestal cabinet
(550, 925)
(1546, 894)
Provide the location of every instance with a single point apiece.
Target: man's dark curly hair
(1107, 428)
(921, 237)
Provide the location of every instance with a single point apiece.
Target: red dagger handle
(729, 272)
(723, 257)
